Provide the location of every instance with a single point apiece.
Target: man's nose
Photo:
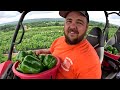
(73, 26)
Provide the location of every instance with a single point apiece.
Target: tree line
(11, 27)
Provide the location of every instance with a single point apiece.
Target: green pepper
(115, 51)
(30, 52)
(109, 48)
(52, 63)
(110, 52)
(41, 57)
(30, 64)
(20, 56)
(49, 61)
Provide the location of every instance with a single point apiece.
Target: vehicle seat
(96, 39)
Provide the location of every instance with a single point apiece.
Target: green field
(34, 38)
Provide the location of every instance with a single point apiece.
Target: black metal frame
(114, 63)
(16, 32)
(8, 74)
(105, 30)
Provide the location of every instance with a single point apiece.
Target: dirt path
(13, 54)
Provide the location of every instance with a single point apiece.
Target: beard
(75, 41)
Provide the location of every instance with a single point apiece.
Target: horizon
(12, 22)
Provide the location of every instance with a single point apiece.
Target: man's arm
(42, 51)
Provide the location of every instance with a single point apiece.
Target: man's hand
(37, 52)
(42, 51)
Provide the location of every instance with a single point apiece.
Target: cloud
(42, 14)
(114, 18)
(8, 14)
(99, 16)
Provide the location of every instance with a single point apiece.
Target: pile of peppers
(111, 49)
(30, 63)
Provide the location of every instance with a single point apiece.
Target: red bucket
(48, 74)
(113, 56)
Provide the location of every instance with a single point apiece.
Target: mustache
(73, 30)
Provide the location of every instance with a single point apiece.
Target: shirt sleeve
(53, 45)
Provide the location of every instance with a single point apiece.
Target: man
(79, 59)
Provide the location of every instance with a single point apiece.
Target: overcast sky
(9, 16)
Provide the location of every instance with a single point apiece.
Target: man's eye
(79, 22)
(69, 21)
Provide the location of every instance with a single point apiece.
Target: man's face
(75, 27)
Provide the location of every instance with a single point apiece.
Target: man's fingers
(37, 52)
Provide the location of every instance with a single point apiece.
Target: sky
(99, 16)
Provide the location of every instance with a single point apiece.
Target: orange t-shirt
(78, 61)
